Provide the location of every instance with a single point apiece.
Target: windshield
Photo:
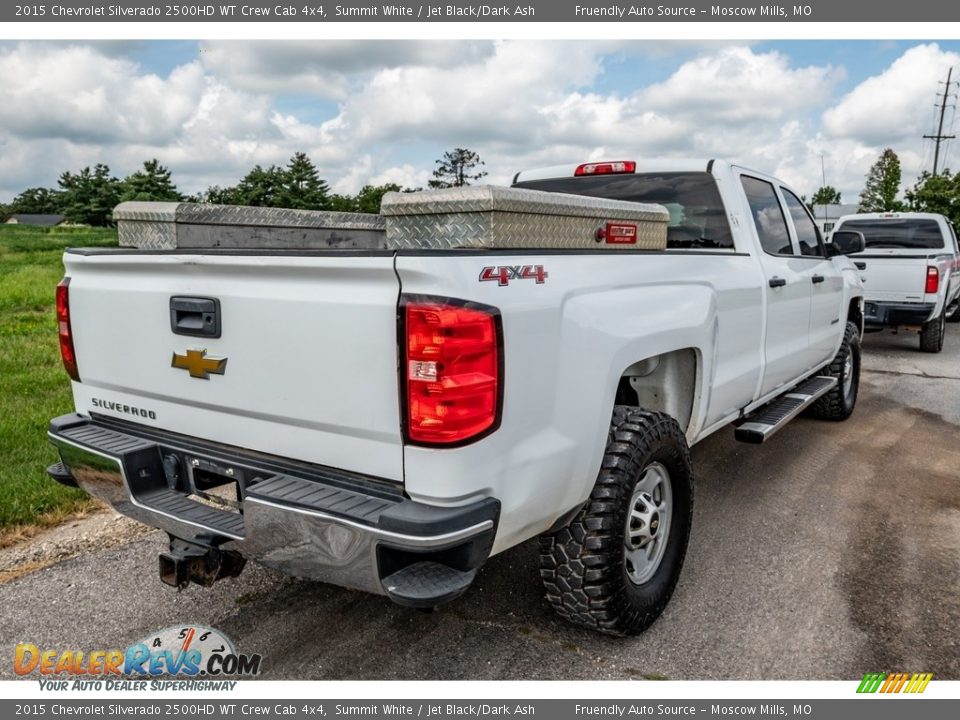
(697, 217)
(898, 233)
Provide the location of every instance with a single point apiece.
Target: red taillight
(606, 168)
(66, 335)
(452, 371)
(933, 280)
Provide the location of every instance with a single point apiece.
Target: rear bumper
(306, 521)
(887, 314)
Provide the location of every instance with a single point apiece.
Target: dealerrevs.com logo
(190, 651)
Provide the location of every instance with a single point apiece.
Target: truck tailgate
(309, 344)
(893, 277)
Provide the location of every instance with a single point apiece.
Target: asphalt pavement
(830, 551)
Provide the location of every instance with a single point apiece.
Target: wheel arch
(855, 313)
(667, 382)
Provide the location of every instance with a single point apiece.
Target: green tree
(936, 194)
(370, 196)
(151, 183)
(342, 203)
(457, 167)
(302, 187)
(216, 195)
(88, 197)
(260, 187)
(883, 185)
(35, 201)
(827, 195)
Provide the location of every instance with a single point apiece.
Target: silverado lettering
(121, 408)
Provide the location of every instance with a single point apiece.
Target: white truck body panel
(566, 345)
(309, 375)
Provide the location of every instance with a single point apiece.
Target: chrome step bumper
(306, 521)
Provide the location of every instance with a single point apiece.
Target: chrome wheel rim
(648, 523)
(847, 374)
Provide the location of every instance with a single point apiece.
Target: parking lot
(830, 551)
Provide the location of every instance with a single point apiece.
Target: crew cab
(909, 268)
(474, 368)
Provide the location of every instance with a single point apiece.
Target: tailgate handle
(195, 316)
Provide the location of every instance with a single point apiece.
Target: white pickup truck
(471, 369)
(910, 271)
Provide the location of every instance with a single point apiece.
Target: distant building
(827, 215)
(35, 220)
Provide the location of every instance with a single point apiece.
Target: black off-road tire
(838, 404)
(583, 566)
(931, 335)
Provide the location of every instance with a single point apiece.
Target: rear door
(826, 283)
(307, 344)
(787, 290)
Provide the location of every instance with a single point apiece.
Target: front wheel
(614, 567)
(931, 334)
(838, 404)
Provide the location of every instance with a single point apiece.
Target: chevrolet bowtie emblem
(198, 365)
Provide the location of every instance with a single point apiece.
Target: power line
(939, 137)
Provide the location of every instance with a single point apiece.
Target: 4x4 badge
(198, 365)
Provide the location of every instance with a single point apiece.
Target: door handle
(861, 265)
(777, 282)
(817, 279)
(195, 316)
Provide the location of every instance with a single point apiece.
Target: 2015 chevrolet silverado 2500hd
(910, 272)
(471, 369)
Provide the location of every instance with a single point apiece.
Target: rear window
(895, 233)
(697, 218)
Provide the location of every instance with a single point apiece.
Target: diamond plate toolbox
(171, 226)
(500, 217)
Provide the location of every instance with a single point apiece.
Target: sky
(378, 111)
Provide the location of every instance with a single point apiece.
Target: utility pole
(939, 137)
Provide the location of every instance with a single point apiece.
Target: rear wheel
(838, 404)
(931, 335)
(614, 567)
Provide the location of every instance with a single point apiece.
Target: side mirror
(846, 242)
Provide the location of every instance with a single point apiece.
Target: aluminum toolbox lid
(516, 218)
(488, 198)
(170, 225)
(206, 214)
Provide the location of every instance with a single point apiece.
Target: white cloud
(737, 85)
(325, 67)
(401, 104)
(895, 106)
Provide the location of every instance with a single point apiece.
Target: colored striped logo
(894, 682)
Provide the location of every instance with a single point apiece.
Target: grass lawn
(33, 384)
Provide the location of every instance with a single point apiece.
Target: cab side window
(953, 236)
(767, 216)
(808, 235)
